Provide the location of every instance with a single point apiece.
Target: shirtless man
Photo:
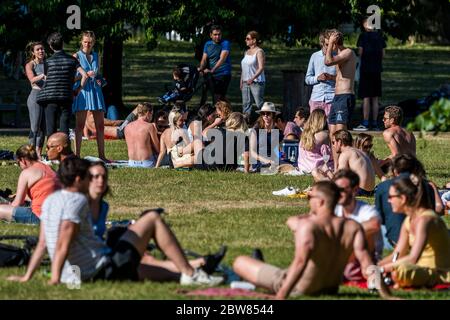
(353, 159)
(58, 147)
(142, 139)
(323, 245)
(343, 102)
(398, 139)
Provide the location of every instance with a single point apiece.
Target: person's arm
(420, 241)
(30, 74)
(162, 151)
(67, 232)
(260, 57)
(216, 122)
(35, 260)
(223, 56)
(154, 139)
(304, 245)
(22, 189)
(311, 77)
(246, 162)
(371, 226)
(203, 62)
(439, 205)
(342, 56)
(392, 144)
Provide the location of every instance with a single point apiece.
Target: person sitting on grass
(361, 212)
(364, 142)
(323, 246)
(289, 129)
(66, 232)
(353, 159)
(423, 249)
(142, 139)
(58, 147)
(300, 118)
(37, 181)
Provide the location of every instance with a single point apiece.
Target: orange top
(44, 187)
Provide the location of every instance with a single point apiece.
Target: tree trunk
(112, 71)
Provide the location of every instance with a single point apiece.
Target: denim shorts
(342, 108)
(24, 215)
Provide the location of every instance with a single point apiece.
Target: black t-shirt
(373, 44)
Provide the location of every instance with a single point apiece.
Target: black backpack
(14, 256)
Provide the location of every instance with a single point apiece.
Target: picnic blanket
(225, 292)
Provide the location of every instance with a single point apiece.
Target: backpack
(14, 256)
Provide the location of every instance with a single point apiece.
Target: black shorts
(121, 263)
(369, 85)
(221, 84)
(342, 108)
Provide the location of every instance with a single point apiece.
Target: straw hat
(268, 107)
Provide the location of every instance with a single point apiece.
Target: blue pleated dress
(91, 97)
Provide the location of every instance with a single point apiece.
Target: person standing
(91, 96)
(322, 78)
(371, 49)
(56, 95)
(216, 64)
(252, 76)
(34, 70)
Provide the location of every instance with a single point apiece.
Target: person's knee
(240, 264)
(151, 217)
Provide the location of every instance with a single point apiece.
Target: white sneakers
(285, 192)
(200, 277)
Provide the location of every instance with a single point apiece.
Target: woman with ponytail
(422, 255)
(37, 181)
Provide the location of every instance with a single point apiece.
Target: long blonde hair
(316, 122)
(236, 122)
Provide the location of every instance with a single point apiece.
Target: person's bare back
(399, 141)
(333, 245)
(355, 160)
(141, 138)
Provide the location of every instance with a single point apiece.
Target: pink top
(292, 128)
(309, 160)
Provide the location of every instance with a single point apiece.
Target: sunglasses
(309, 197)
(248, 38)
(48, 147)
(266, 113)
(384, 118)
(393, 196)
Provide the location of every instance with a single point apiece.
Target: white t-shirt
(86, 249)
(364, 212)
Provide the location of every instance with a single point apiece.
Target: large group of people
(340, 239)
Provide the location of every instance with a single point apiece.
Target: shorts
(364, 193)
(411, 275)
(369, 85)
(121, 263)
(221, 84)
(313, 105)
(342, 108)
(25, 215)
(150, 163)
(271, 277)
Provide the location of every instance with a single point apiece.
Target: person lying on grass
(98, 188)
(66, 232)
(323, 246)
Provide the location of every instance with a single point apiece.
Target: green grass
(205, 210)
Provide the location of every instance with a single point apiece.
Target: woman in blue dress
(91, 96)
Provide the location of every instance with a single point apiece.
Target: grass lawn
(207, 209)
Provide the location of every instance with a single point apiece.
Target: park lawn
(205, 210)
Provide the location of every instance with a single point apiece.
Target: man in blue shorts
(343, 103)
(216, 64)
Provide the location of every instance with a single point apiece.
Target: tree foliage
(436, 119)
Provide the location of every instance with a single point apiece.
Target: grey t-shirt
(86, 249)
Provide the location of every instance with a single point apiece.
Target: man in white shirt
(363, 213)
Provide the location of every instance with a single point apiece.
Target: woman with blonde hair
(223, 110)
(91, 96)
(237, 128)
(37, 181)
(34, 70)
(314, 146)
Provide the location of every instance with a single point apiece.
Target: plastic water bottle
(242, 285)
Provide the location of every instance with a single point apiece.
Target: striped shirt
(86, 249)
(60, 70)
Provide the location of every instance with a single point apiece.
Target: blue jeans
(24, 215)
(250, 93)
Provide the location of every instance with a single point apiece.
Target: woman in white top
(252, 75)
